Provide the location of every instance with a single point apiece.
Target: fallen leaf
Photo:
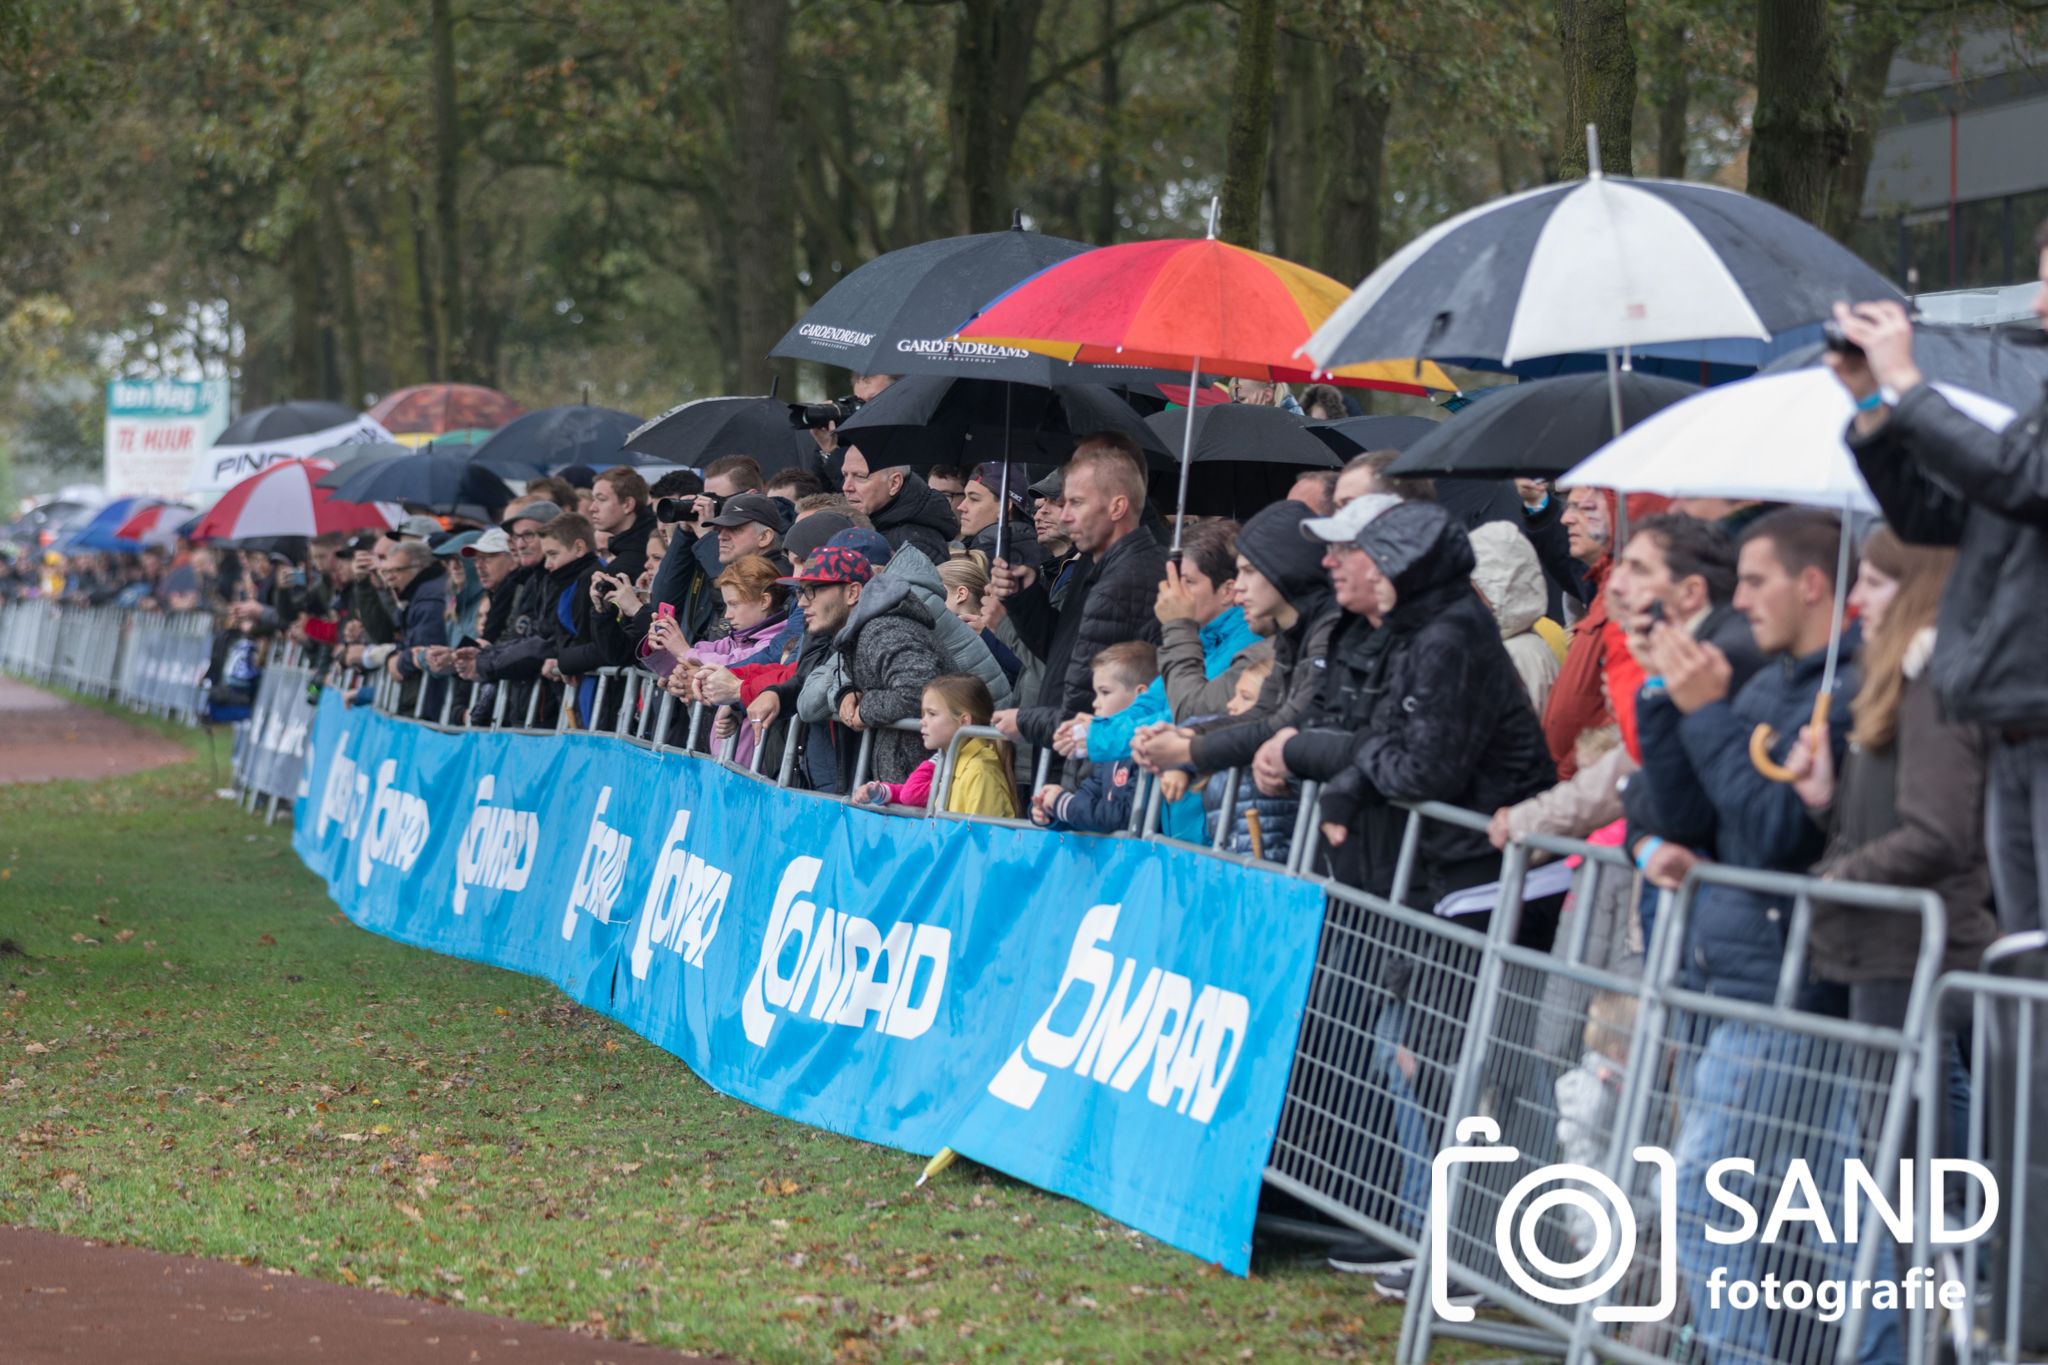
(35, 1049)
(412, 1212)
(353, 1137)
(124, 936)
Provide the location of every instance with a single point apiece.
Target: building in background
(1959, 175)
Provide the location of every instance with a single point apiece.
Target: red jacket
(1576, 704)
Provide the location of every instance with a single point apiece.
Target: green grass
(199, 1054)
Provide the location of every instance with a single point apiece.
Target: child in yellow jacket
(981, 771)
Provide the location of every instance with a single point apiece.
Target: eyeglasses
(808, 592)
(524, 537)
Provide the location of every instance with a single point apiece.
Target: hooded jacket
(422, 622)
(890, 654)
(1425, 707)
(918, 516)
(1201, 662)
(982, 784)
(1508, 576)
(1944, 479)
(960, 648)
(1110, 603)
(1272, 542)
(1908, 815)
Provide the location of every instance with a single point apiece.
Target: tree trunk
(1251, 124)
(1107, 220)
(1347, 211)
(1872, 43)
(452, 327)
(993, 43)
(433, 351)
(341, 267)
(1673, 91)
(1300, 154)
(1599, 84)
(305, 368)
(764, 264)
(1801, 134)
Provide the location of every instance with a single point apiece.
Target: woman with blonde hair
(965, 576)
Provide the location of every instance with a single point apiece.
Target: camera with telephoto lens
(1833, 339)
(818, 416)
(669, 511)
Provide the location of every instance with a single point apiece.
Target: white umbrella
(1777, 438)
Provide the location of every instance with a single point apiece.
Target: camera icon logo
(1601, 1205)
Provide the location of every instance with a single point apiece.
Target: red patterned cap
(833, 564)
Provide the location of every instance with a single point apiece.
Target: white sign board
(157, 429)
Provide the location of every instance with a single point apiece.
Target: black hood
(1421, 548)
(1272, 542)
(915, 504)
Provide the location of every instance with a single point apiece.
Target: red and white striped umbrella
(283, 500)
(156, 523)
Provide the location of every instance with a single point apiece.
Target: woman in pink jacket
(755, 609)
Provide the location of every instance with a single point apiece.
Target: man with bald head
(1113, 588)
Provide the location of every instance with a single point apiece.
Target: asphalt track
(44, 738)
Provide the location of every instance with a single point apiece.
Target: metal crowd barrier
(1582, 1045)
(270, 748)
(148, 661)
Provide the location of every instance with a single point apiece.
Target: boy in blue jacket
(1102, 803)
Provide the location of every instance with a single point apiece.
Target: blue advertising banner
(1106, 1018)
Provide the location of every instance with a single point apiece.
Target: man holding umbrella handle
(1944, 479)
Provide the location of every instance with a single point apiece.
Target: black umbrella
(2009, 364)
(1244, 457)
(554, 438)
(424, 479)
(350, 460)
(895, 314)
(1348, 436)
(1537, 429)
(281, 421)
(706, 429)
(932, 419)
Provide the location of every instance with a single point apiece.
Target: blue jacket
(1223, 639)
(1709, 795)
(1102, 803)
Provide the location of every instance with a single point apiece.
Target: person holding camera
(1942, 478)
(822, 419)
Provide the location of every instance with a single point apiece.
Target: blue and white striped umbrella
(1600, 264)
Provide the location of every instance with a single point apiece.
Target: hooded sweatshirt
(1510, 578)
(890, 654)
(1272, 543)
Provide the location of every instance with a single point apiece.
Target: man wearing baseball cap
(827, 586)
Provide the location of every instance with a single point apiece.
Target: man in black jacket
(505, 660)
(1111, 599)
(1419, 702)
(1944, 479)
(621, 510)
(901, 505)
(421, 586)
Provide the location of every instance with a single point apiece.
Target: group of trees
(632, 199)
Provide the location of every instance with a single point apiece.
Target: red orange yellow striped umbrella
(1165, 305)
(1188, 303)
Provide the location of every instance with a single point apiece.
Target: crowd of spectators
(1558, 660)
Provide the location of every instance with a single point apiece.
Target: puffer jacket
(918, 516)
(1508, 575)
(1943, 479)
(1194, 660)
(1110, 604)
(1909, 815)
(1709, 795)
(890, 654)
(1425, 707)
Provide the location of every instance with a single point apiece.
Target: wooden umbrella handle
(1763, 737)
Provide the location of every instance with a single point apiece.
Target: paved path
(63, 1299)
(43, 737)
